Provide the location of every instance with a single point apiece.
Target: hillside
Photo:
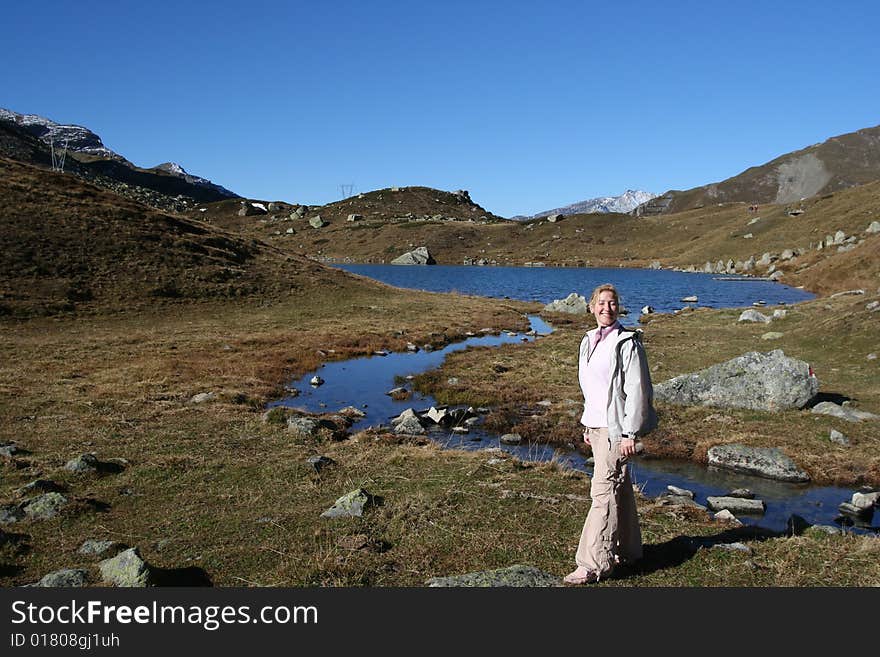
(686, 240)
(70, 245)
(27, 138)
(837, 163)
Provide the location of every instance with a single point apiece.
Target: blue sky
(527, 105)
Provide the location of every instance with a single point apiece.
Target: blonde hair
(605, 287)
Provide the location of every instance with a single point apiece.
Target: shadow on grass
(680, 549)
(191, 576)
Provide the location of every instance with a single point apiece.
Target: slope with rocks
(835, 164)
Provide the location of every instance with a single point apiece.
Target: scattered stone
(678, 500)
(873, 227)
(9, 449)
(408, 423)
(853, 510)
(775, 276)
(352, 504)
(647, 310)
(511, 439)
(411, 347)
(320, 462)
(574, 304)
(316, 381)
(354, 217)
(65, 578)
(752, 315)
(419, 256)
(396, 391)
(779, 313)
(767, 462)
(871, 307)
(843, 412)
(352, 412)
(736, 505)
(871, 356)
(553, 218)
(317, 222)
(839, 438)
(758, 381)
(91, 547)
(45, 506)
(304, 426)
(202, 397)
(83, 464)
(726, 516)
(127, 569)
(865, 500)
(742, 493)
(437, 416)
(847, 293)
(675, 490)
(772, 335)
(690, 299)
(733, 547)
(513, 576)
(827, 530)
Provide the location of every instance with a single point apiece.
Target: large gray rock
(82, 464)
(352, 504)
(735, 505)
(843, 412)
(574, 303)
(865, 500)
(303, 426)
(759, 381)
(45, 506)
(408, 423)
(419, 256)
(92, 547)
(127, 569)
(317, 222)
(752, 315)
(767, 462)
(518, 575)
(65, 578)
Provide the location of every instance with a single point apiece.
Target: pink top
(594, 376)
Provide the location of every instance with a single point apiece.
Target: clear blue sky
(527, 105)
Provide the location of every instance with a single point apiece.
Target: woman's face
(605, 309)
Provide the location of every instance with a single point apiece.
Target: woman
(614, 377)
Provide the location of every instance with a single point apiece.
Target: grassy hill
(835, 164)
(70, 245)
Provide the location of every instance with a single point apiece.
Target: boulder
(127, 569)
(693, 298)
(354, 217)
(873, 227)
(408, 423)
(839, 438)
(202, 397)
(752, 315)
(319, 462)
(553, 218)
(45, 506)
(726, 516)
(511, 439)
(8, 449)
(865, 500)
(419, 256)
(65, 578)
(316, 381)
(842, 412)
(574, 304)
(767, 462)
(772, 335)
(83, 464)
(352, 504)
(736, 505)
(513, 576)
(304, 426)
(759, 381)
(675, 490)
(779, 313)
(317, 222)
(91, 547)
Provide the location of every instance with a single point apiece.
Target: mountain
(32, 139)
(837, 163)
(624, 203)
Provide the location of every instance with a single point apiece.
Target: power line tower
(346, 189)
(58, 158)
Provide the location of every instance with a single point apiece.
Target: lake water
(363, 382)
(663, 289)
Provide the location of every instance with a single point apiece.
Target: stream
(363, 382)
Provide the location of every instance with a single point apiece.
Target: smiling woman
(616, 384)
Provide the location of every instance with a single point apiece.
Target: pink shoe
(581, 575)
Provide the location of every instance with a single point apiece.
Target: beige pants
(612, 526)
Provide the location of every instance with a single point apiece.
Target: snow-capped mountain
(76, 138)
(176, 170)
(627, 201)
